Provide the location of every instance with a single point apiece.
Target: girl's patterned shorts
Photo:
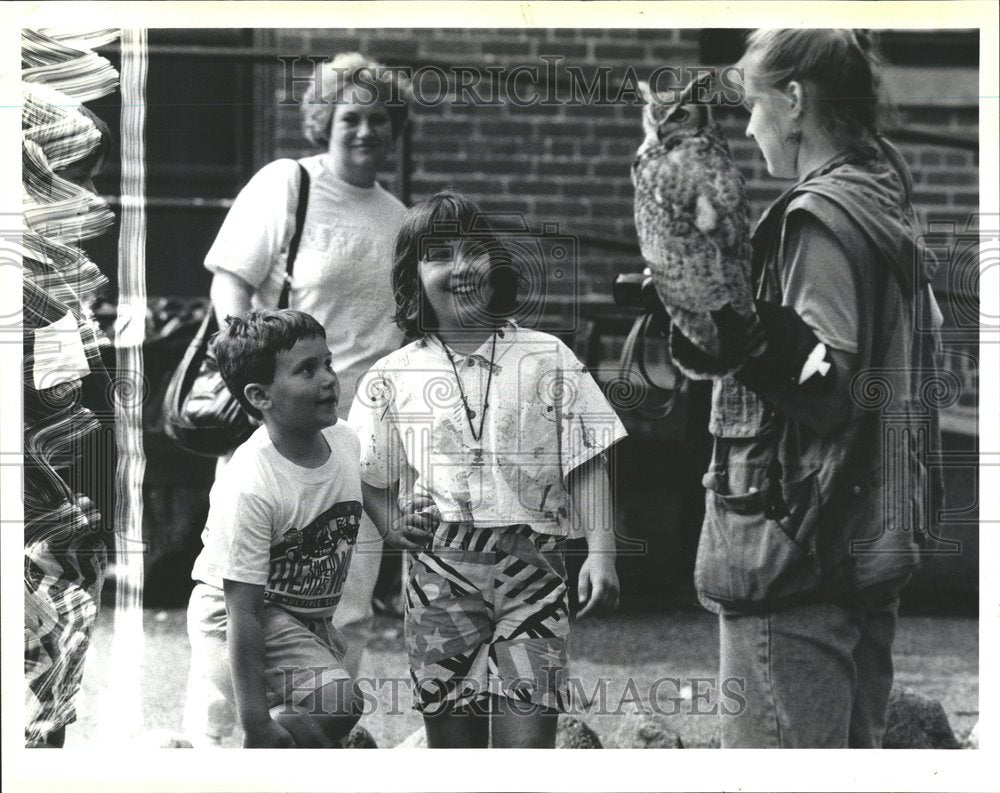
(487, 614)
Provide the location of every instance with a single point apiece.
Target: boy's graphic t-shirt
(546, 416)
(289, 528)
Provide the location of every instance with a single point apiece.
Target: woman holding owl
(816, 497)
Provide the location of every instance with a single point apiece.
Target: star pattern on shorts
(434, 641)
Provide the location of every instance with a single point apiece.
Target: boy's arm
(245, 637)
(412, 530)
(382, 459)
(590, 492)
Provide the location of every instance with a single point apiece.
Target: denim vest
(857, 500)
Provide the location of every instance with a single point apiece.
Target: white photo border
(125, 768)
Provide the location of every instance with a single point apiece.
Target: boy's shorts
(487, 614)
(301, 655)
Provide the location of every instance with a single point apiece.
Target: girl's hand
(598, 585)
(413, 529)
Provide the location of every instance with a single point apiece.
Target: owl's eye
(680, 114)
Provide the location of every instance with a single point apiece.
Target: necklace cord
(469, 415)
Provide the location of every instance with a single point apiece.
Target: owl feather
(692, 219)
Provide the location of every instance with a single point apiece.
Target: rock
(916, 721)
(417, 740)
(644, 732)
(972, 739)
(163, 738)
(360, 738)
(573, 733)
(713, 741)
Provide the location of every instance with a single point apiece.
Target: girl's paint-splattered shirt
(546, 417)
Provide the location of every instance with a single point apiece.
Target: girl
(814, 495)
(483, 448)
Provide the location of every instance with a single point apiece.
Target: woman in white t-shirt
(355, 109)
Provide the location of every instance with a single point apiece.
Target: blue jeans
(816, 675)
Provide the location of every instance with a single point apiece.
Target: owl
(691, 215)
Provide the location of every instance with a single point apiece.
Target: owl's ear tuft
(646, 92)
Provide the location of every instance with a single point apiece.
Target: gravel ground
(938, 656)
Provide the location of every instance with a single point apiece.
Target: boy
(278, 540)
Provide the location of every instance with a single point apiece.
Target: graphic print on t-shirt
(308, 566)
(344, 246)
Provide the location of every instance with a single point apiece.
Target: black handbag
(200, 415)
(638, 393)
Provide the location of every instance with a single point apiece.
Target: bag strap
(634, 351)
(293, 246)
(633, 365)
(628, 349)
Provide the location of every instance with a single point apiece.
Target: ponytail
(840, 66)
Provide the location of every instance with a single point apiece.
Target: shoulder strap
(293, 246)
(628, 359)
(657, 401)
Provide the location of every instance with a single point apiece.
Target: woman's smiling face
(455, 279)
(360, 136)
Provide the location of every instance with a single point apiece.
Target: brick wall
(570, 164)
